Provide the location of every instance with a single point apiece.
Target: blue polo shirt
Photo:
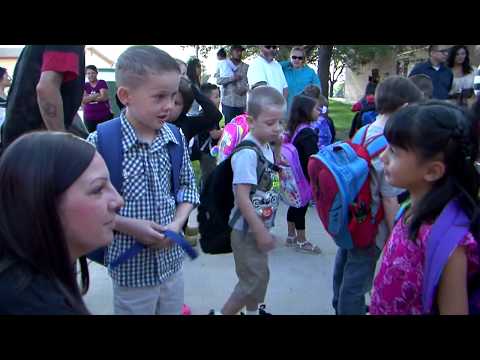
(298, 79)
(442, 78)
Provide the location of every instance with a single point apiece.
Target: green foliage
(342, 116)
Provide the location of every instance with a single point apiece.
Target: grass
(342, 116)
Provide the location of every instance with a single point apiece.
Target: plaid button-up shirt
(146, 190)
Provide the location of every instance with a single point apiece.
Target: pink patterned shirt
(397, 289)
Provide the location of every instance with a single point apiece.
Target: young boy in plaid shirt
(151, 282)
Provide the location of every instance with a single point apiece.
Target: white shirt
(270, 72)
(225, 68)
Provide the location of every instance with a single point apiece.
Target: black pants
(230, 112)
(92, 125)
(297, 216)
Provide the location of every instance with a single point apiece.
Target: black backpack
(217, 201)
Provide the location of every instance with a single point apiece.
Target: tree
(331, 60)
(324, 57)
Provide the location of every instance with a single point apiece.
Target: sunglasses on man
(273, 47)
(297, 57)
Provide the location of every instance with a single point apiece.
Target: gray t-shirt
(379, 187)
(265, 200)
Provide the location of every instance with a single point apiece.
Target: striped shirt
(146, 190)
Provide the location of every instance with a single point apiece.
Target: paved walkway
(300, 284)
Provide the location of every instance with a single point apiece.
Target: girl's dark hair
(437, 128)
(185, 89)
(466, 67)
(92, 67)
(192, 66)
(300, 112)
(35, 171)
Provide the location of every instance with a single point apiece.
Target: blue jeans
(230, 112)
(353, 278)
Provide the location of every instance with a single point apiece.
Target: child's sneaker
(261, 310)
(214, 312)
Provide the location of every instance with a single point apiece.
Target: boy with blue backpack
(359, 212)
(157, 183)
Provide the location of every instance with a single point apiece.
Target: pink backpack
(295, 189)
(233, 134)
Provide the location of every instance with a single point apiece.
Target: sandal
(307, 247)
(291, 240)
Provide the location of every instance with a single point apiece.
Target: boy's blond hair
(138, 62)
(261, 97)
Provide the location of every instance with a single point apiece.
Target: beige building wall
(356, 80)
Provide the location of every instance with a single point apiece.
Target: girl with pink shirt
(431, 153)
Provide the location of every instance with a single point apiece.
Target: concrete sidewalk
(300, 284)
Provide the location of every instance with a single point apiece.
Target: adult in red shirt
(46, 91)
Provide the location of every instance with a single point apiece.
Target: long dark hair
(192, 66)
(185, 89)
(430, 129)
(300, 112)
(34, 172)
(466, 67)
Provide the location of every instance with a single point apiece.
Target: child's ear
(123, 95)
(435, 171)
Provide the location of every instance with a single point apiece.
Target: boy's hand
(149, 234)
(173, 226)
(265, 241)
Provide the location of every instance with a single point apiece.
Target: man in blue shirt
(442, 76)
(298, 74)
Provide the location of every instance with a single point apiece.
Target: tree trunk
(324, 58)
(332, 83)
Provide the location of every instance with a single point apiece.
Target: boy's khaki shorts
(251, 266)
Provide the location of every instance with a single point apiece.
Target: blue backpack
(451, 226)
(109, 145)
(340, 180)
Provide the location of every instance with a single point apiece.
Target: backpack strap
(262, 164)
(448, 230)
(401, 211)
(375, 145)
(109, 145)
(297, 131)
(175, 152)
(360, 135)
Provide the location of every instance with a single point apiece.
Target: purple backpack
(295, 189)
(448, 230)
